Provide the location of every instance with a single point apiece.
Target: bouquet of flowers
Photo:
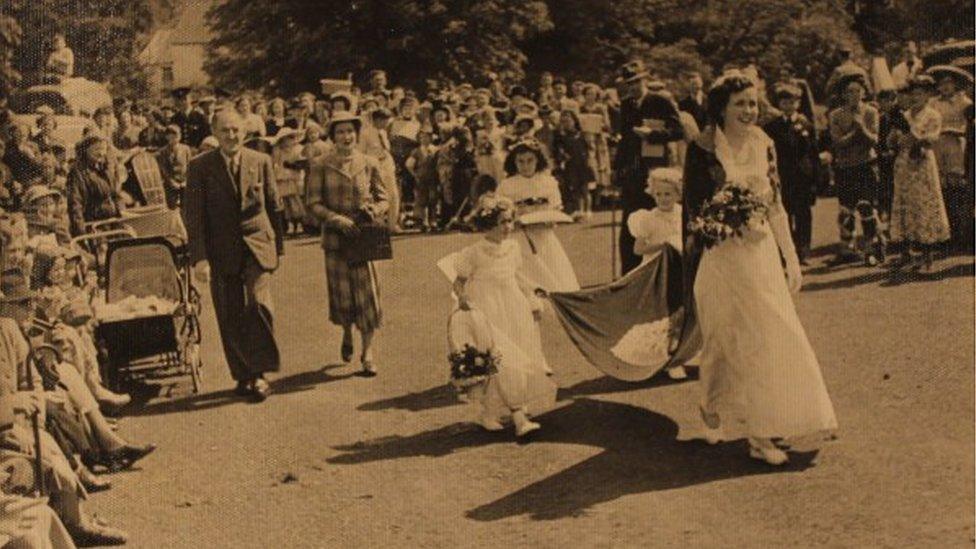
(470, 367)
(734, 211)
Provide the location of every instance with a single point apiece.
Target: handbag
(372, 243)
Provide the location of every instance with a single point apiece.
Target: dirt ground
(334, 460)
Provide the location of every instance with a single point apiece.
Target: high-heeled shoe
(764, 449)
(92, 482)
(126, 456)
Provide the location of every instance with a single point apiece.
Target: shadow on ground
(144, 403)
(889, 278)
(441, 396)
(640, 454)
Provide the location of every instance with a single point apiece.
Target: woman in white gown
(758, 370)
(534, 191)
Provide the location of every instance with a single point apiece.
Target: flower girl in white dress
(538, 205)
(489, 280)
(660, 225)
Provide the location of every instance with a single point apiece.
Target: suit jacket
(631, 167)
(338, 189)
(195, 127)
(224, 220)
(797, 157)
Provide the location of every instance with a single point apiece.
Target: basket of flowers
(472, 357)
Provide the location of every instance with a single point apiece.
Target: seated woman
(64, 305)
(18, 449)
(93, 193)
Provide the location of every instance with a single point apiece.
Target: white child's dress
(546, 264)
(494, 287)
(657, 227)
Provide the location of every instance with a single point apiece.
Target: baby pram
(148, 311)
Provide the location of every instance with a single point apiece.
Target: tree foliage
(10, 40)
(291, 44)
(105, 35)
(411, 39)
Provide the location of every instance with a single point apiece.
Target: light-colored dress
(496, 288)
(951, 144)
(545, 263)
(758, 370)
(657, 227)
(918, 212)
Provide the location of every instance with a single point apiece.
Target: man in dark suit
(230, 202)
(798, 161)
(194, 125)
(648, 122)
(693, 102)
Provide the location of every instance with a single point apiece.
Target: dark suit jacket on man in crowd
(631, 166)
(798, 161)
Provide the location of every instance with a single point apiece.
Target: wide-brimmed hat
(961, 76)
(340, 117)
(527, 144)
(632, 71)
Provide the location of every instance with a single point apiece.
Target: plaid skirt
(354, 293)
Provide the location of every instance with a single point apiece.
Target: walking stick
(613, 237)
(48, 379)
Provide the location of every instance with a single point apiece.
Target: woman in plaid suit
(342, 186)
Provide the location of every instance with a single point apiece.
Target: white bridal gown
(545, 263)
(757, 367)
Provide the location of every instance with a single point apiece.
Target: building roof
(157, 51)
(191, 25)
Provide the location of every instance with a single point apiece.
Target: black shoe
(243, 389)
(126, 456)
(346, 350)
(369, 370)
(92, 482)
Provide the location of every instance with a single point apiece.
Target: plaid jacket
(338, 187)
